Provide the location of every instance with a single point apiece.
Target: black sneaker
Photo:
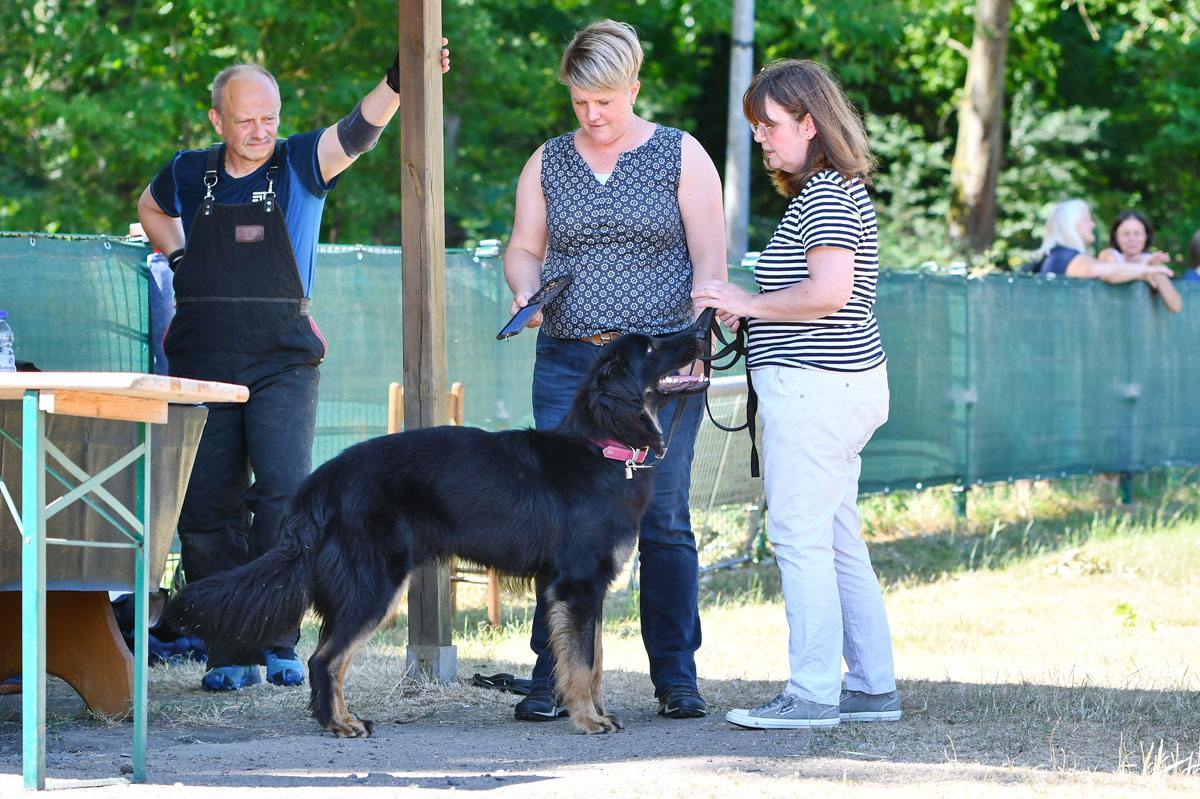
(682, 702)
(539, 705)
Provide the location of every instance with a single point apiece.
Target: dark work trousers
(667, 557)
(228, 518)
(241, 317)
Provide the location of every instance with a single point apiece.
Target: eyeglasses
(763, 129)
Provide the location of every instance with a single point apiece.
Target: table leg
(141, 613)
(33, 594)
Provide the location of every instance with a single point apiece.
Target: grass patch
(1044, 641)
(1051, 627)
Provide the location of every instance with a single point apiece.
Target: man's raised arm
(359, 131)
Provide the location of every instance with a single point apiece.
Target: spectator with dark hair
(1130, 239)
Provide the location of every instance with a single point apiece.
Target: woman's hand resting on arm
(826, 291)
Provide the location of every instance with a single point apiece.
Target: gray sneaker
(858, 706)
(786, 712)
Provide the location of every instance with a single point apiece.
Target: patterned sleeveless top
(623, 240)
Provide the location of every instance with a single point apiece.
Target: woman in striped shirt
(818, 368)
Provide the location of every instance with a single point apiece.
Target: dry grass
(1052, 629)
(1044, 645)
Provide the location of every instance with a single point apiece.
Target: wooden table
(130, 396)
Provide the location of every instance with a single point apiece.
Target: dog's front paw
(596, 724)
(351, 727)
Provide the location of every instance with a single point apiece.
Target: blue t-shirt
(1191, 276)
(179, 190)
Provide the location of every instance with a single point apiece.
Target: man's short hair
(237, 71)
(605, 56)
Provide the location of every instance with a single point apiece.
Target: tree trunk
(980, 145)
(737, 138)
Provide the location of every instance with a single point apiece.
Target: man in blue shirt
(240, 221)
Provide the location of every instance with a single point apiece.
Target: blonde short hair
(604, 56)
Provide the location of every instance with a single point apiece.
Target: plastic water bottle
(8, 362)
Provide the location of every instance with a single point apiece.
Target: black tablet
(544, 295)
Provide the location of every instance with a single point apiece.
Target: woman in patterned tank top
(632, 210)
(818, 368)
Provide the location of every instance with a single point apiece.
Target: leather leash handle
(738, 347)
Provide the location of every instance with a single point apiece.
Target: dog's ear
(614, 395)
(614, 385)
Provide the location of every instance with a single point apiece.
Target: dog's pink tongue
(688, 378)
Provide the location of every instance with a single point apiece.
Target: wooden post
(423, 264)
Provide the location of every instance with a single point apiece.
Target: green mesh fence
(1019, 376)
(77, 304)
(992, 379)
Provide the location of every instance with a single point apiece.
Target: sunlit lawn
(1044, 641)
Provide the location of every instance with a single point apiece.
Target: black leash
(706, 321)
(736, 348)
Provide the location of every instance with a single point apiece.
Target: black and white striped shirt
(828, 212)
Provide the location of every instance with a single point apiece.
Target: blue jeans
(666, 546)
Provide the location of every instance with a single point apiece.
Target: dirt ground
(471, 747)
(475, 745)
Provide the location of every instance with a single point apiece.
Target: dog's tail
(260, 602)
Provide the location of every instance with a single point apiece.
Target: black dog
(549, 504)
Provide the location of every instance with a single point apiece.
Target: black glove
(393, 75)
(174, 259)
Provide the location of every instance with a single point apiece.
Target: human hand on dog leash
(730, 301)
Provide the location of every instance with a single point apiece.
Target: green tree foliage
(97, 94)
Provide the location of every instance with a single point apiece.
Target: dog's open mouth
(682, 384)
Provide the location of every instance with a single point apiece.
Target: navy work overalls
(242, 317)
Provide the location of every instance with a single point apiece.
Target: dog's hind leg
(341, 636)
(573, 631)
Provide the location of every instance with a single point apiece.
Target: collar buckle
(632, 458)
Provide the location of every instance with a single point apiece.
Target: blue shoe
(283, 666)
(230, 678)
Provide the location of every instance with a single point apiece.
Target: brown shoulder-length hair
(806, 87)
